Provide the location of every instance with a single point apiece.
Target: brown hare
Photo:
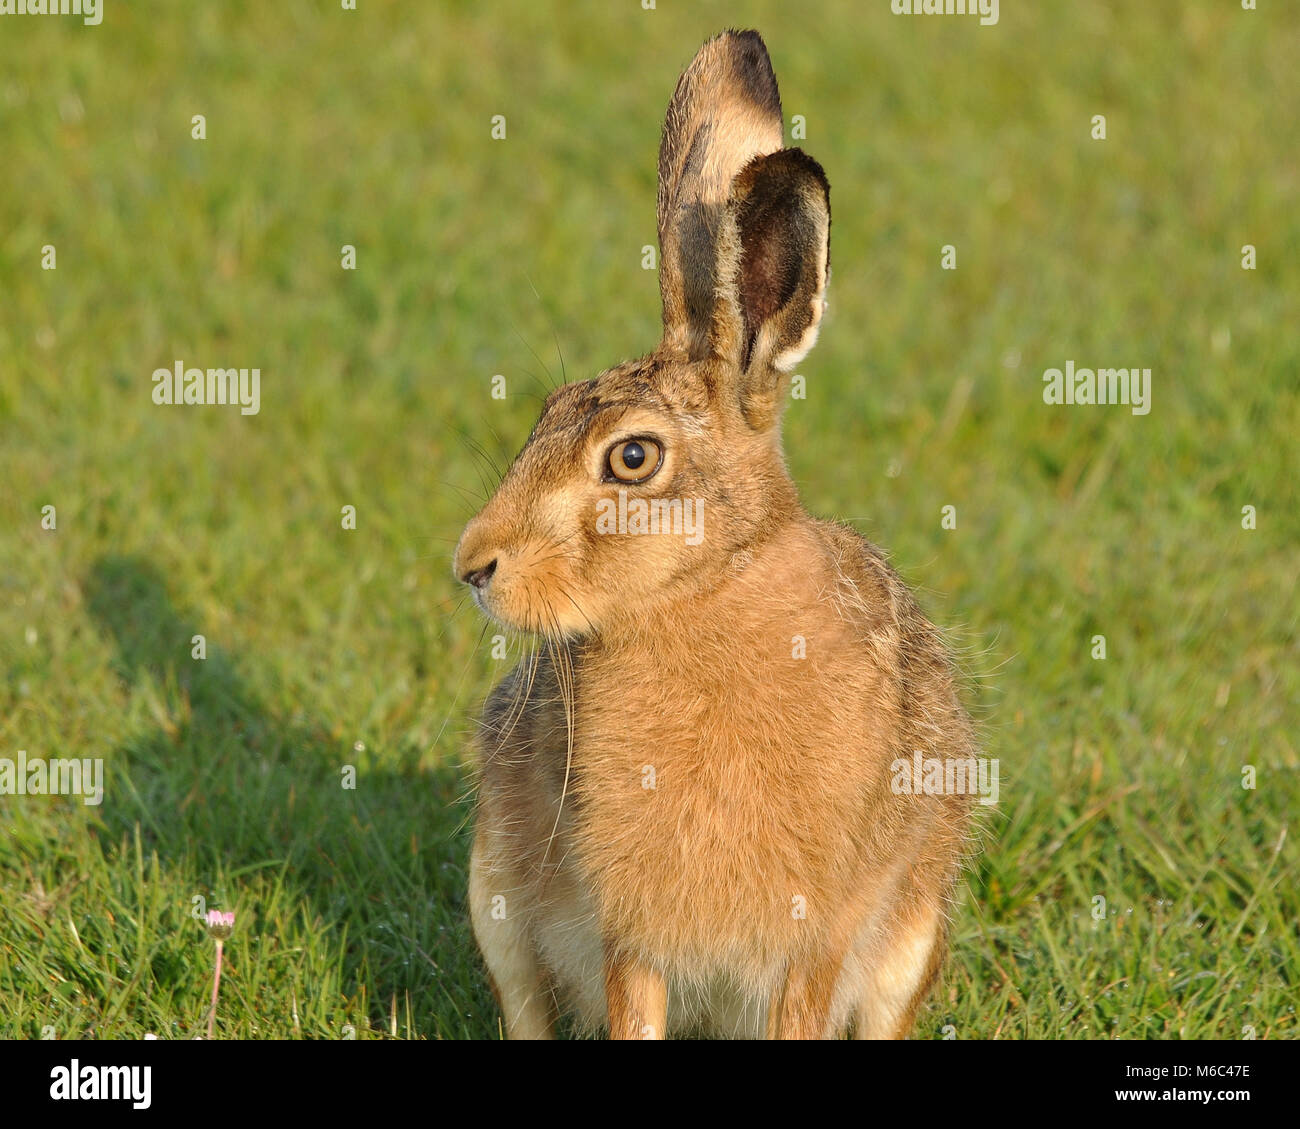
(687, 817)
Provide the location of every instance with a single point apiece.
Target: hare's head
(646, 481)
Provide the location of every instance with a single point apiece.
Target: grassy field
(327, 647)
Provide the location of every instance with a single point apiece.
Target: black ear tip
(811, 166)
(748, 37)
(744, 45)
(751, 66)
(779, 172)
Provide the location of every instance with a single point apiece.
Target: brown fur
(770, 880)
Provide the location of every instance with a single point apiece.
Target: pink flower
(220, 925)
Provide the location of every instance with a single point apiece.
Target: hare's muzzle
(478, 558)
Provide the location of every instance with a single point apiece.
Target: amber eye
(634, 460)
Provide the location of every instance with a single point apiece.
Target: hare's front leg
(497, 911)
(802, 1009)
(901, 976)
(637, 997)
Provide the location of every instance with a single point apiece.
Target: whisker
(455, 701)
(533, 351)
(567, 695)
(564, 376)
(481, 456)
(568, 596)
(479, 502)
(486, 455)
(547, 385)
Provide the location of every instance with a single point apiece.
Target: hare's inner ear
(774, 263)
(725, 111)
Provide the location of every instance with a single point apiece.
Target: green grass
(1120, 778)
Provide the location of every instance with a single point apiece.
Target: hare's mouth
(522, 599)
(485, 596)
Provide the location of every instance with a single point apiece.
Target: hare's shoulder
(863, 583)
(869, 593)
(900, 635)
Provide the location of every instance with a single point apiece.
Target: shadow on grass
(229, 789)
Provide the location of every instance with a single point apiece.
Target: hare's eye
(634, 460)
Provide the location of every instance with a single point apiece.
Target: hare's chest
(706, 813)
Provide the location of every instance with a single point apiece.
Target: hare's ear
(725, 111)
(773, 266)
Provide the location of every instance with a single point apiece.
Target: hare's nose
(479, 577)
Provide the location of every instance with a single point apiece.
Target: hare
(688, 818)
